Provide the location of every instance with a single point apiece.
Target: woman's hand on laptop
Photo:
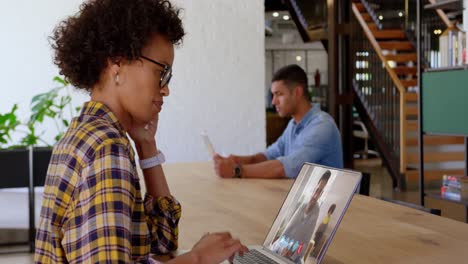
(217, 247)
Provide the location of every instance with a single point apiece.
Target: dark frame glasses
(166, 73)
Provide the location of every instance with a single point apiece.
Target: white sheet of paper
(208, 144)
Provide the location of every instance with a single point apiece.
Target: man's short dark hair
(293, 75)
(326, 176)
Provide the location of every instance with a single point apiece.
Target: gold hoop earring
(117, 79)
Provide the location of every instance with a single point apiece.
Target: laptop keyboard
(254, 257)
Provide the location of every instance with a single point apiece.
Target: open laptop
(309, 217)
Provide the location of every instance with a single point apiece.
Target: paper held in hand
(208, 144)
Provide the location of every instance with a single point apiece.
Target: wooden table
(372, 231)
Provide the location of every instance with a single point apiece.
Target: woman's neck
(98, 94)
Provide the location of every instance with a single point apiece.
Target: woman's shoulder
(86, 138)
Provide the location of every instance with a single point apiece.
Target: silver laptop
(309, 217)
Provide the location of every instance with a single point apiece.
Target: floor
(381, 182)
(381, 186)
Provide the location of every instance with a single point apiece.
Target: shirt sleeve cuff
(167, 204)
(163, 215)
(289, 169)
(268, 155)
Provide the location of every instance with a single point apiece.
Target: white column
(465, 15)
(465, 25)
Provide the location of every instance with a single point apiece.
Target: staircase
(444, 154)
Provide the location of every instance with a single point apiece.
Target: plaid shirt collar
(100, 110)
(94, 109)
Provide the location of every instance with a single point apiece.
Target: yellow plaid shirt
(92, 209)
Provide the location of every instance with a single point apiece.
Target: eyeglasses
(166, 73)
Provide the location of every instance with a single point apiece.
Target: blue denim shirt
(314, 139)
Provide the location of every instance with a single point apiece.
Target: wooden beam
(442, 15)
(431, 175)
(435, 140)
(436, 157)
(333, 70)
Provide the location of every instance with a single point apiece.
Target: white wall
(26, 68)
(218, 82)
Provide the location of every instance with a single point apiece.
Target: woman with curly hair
(121, 52)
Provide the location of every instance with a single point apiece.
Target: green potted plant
(14, 161)
(15, 157)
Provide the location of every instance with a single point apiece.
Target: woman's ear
(114, 64)
(113, 70)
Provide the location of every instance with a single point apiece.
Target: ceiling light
(275, 14)
(286, 17)
(298, 58)
(380, 17)
(400, 14)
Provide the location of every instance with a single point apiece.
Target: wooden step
(403, 70)
(402, 57)
(412, 125)
(366, 17)
(435, 157)
(432, 175)
(409, 83)
(360, 7)
(435, 140)
(372, 26)
(411, 97)
(411, 110)
(389, 34)
(396, 45)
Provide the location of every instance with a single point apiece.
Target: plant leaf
(60, 80)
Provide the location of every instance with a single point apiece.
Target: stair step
(435, 140)
(411, 97)
(396, 45)
(389, 34)
(372, 26)
(409, 83)
(432, 175)
(402, 57)
(434, 157)
(403, 70)
(412, 125)
(360, 7)
(366, 17)
(411, 110)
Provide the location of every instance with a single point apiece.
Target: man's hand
(236, 159)
(224, 167)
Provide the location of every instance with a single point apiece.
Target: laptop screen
(311, 213)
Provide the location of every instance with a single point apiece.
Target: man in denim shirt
(311, 135)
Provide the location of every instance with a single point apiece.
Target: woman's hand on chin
(144, 136)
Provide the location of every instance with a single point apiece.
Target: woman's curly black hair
(110, 29)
